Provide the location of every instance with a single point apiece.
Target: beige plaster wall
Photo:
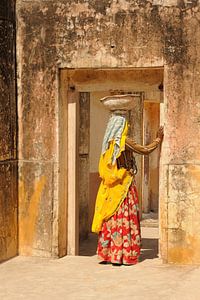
(99, 116)
(110, 34)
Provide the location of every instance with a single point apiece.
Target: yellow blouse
(114, 185)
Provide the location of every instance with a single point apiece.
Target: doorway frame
(68, 116)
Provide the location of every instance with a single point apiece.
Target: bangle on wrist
(158, 140)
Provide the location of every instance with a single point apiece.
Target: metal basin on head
(119, 102)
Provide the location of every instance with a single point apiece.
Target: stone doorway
(82, 125)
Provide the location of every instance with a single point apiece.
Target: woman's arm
(132, 145)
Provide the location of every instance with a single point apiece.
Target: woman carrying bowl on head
(116, 217)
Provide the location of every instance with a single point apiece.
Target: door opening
(82, 125)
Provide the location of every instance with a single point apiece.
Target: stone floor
(81, 277)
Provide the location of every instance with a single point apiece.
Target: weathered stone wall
(110, 34)
(8, 164)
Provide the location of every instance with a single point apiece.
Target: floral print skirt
(119, 240)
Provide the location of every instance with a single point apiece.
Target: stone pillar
(8, 133)
(136, 124)
(180, 188)
(151, 162)
(84, 164)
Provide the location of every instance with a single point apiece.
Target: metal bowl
(119, 102)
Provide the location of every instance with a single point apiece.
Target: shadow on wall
(149, 247)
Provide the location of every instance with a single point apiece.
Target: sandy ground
(82, 277)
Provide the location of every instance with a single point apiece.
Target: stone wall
(8, 129)
(109, 34)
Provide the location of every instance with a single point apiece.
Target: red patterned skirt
(119, 240)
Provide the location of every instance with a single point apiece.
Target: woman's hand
(160, 133)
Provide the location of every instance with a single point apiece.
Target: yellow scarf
(114, 185)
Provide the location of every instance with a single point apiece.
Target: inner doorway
(82, 125)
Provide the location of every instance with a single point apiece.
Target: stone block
(8, 210)
(7, 92)
(183, 214)
(35, 208)
(37, 119)
(170, 2)
(183, 248)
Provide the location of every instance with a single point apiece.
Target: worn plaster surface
(114, 34)
(8, 132)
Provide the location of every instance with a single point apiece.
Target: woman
(116, 218)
